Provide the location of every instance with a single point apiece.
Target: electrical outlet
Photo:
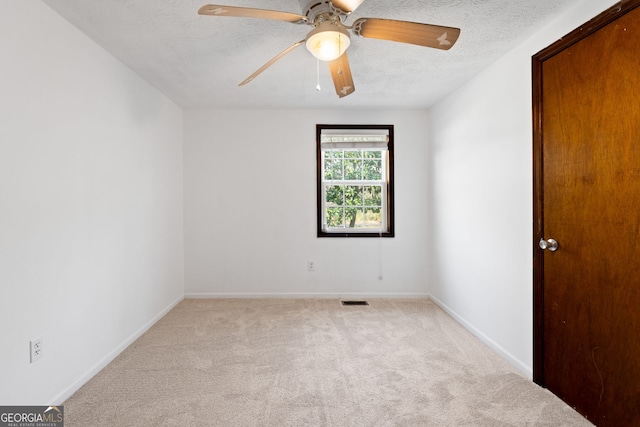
(36, 349)
(311, 266)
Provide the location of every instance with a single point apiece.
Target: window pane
(328, 164)
(353, 195)
(353, 169)
(333, 169)
(373, 195)
(373, 218)
(352, 154)
(335, 217)
(350, 217)
(333, 154)
(335, 195)
(373, 154)
(372, 169)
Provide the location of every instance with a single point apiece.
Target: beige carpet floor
(278, 362)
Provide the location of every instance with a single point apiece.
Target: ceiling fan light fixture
(328, 41)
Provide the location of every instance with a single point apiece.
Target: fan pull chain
(318, 74)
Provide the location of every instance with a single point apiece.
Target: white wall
(91, 247)
(481, 196)
(250, 208)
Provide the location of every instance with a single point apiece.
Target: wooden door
(587, 198)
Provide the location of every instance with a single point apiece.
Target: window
(355, 180)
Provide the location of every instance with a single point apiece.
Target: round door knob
(549, 244)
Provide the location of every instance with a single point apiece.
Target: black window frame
(390, 217)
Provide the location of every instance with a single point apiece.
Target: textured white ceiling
(198, 61)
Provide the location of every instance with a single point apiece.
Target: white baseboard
(83, 379)
(302, 295)
(515, 362)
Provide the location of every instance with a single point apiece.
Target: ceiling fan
(330, 37)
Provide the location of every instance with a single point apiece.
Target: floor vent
(354, 302)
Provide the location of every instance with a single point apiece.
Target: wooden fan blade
(247, 12)
(407, 32)
(341, 74)
(271, 62)
(347, 6)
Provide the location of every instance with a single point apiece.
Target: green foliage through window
(353, 205)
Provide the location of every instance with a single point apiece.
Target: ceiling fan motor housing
(314, 9)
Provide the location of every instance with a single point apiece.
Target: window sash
(360, 207)
(381, 183)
